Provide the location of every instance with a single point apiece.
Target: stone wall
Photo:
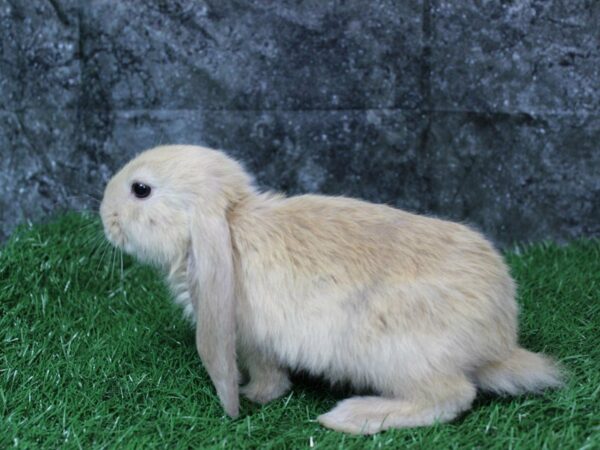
(486, 112)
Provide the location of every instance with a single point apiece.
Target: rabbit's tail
(522, 372)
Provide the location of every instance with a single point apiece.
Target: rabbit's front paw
(265, 389)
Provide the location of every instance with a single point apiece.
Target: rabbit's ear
(211, 286)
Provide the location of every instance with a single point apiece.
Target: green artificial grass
(94, 355)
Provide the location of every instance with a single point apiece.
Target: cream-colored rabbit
(420, 311)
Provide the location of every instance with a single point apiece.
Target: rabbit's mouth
(114, 233)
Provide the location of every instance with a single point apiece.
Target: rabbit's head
(150, 206)
(169, 207)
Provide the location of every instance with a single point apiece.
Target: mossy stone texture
(486, 113)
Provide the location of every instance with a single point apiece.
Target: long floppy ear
(211, 286)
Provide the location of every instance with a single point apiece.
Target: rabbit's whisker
(106, 246)
(95, 238)
(99, 248)
(113, 261)
(92, 240)
(121, 255)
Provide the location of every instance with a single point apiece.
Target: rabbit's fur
(419, 310)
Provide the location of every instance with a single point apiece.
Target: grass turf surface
(93, 354)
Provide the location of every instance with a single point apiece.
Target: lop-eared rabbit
(418, 310)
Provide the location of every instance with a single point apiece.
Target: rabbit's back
(355, 240)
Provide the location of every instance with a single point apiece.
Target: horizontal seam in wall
(309, 110)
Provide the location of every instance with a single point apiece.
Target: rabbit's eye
(140, 190)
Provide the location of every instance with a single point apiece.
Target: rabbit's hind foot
(369, 415)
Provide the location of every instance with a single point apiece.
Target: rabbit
(417, 310)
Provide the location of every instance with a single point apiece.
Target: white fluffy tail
(522, 372)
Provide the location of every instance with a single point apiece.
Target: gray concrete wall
(486, 112)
